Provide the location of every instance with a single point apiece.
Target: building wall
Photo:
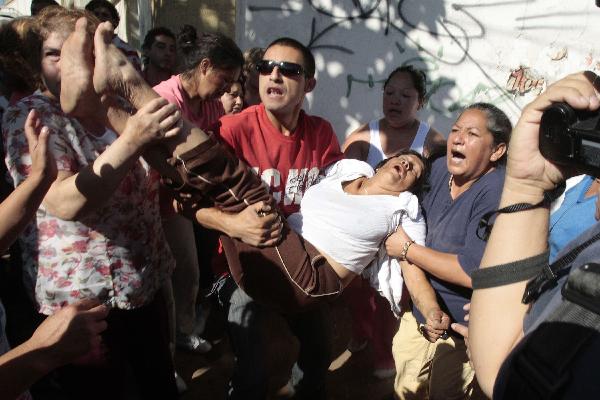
(138, 16)
(204, 15)
(503, 52)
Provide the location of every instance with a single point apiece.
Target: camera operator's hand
(527, 170)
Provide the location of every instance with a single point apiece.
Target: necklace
(450, 182)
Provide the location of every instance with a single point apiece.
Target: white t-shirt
(351, 228)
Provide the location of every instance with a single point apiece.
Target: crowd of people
(117, 167)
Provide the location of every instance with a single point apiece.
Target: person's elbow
(64, 210)
(486, 372)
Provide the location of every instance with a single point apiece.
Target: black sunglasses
(286, 68)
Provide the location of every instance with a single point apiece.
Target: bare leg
(112, 75)
(203, 165)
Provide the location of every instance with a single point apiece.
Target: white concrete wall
(503, 52)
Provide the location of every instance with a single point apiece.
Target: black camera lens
(555, 141)
(571, 137)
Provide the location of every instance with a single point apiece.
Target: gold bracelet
(405, 248)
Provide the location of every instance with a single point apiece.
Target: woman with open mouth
(464, 186)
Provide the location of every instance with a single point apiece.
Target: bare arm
(248, 225)
(496, 317)
(435, 142)
(356, 145)
(444, 266)
(72, 196)
(19, 208)
(424, 298)
(60, 339)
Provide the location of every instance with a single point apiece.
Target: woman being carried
(301, 274)
(342, 223)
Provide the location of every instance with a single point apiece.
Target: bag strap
(542, 367)
(550, 274)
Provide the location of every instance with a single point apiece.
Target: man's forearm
(213, 218)
(21, 367)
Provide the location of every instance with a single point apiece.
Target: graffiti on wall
(522, 80)
(328, 19)
(502, 52)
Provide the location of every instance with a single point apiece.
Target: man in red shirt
(288, 149)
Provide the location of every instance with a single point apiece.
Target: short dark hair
(221, 50)
(417, 77)
(307, 55)
(153, 33)
(419, 186)
(251, 58)
(498, 124)
(92, 5)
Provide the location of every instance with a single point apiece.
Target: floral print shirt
(117, 252)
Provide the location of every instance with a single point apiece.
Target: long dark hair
(222, 52)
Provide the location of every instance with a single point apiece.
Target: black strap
(552, 273)
(505, 274)
(485, 226)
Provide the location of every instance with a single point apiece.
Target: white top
(351, 228)
(376, 152)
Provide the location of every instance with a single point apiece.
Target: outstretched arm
(19, 208)
(424, 298)
(444, 266)
(62, 338)
(73, 195)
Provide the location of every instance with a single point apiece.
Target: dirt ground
(349, 374)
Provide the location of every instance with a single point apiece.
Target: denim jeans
(246, 319)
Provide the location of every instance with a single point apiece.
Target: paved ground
(349, 374)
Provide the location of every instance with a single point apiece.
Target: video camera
(571, 137)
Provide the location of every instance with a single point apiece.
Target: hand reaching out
(43, 165)
(72, 332)
(156, 120)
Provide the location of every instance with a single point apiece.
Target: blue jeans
(245, 324)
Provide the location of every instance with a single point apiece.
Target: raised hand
(527, 170)
(156, 120)
(43, 165)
